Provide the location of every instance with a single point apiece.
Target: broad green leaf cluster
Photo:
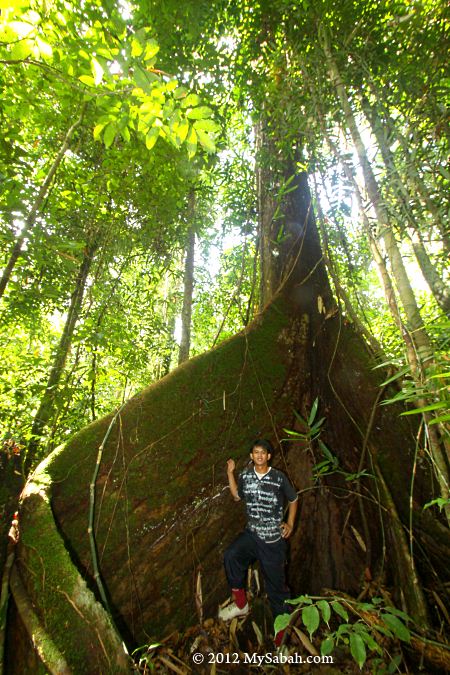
(362, 637)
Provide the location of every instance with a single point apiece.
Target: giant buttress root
(163, 515)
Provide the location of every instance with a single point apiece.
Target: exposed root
(60, 614)
(10, 553)
(44, 646)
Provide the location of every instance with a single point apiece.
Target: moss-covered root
(4, 598)
(44, 646)
(78, 631)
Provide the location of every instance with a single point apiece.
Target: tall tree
(188, 282)
(363, 487)
(46, 407)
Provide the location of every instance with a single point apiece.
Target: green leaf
(168, 110)
(397, 612)
(340, 610)
(151, 49)
(426, 408)
(181, 130)
(190, 100)
(281, 622)
(191, 142)
(327, 453)
(22, 49)
(16, 29)
(45, 49)
(300, 418)
(439, 501)
(87, 79)
(142, 80)
(205, 141)
(315, 428)
(109, 135)
(358, 649)
(171, 85)
(152, 137)
(32, 17)
(180, 92)
(9, 4)
(397, 626)
(295, 434)
(125, 132)
(324, 607)
(97, 71)
(396, 375)
(394, 665)
(200, 113)
(98, 130)
(136, 47)
(207, 125)
(365, 606)
(301, 600)
(343, 629)
(370, 642)
(313, 412)
(327, 646)
(439, 419)
(311, 619)
(384, 630)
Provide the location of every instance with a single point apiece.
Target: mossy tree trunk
(163, 511)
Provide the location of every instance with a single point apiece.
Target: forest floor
(246, 646)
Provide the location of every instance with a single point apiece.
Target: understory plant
(361, 636)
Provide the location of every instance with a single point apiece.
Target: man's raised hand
(231, 465)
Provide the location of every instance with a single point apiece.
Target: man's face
(260, 456)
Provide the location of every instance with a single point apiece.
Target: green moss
(68, 611)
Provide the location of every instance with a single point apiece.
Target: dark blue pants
(248, 548)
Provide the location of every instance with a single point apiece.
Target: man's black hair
(263, 443)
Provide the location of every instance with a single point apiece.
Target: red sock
(278, 638)
(239, 597)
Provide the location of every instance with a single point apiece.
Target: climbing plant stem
(92, 541)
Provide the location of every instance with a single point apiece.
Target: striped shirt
(265, 496)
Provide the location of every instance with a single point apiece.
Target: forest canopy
(111, 116)
(154, 156)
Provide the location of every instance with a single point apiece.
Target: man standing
(265, 491)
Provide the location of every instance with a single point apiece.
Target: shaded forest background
(159, 164)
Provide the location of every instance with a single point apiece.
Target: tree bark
(266, 211)
(341, 293)
(31, 218)
(186, 312)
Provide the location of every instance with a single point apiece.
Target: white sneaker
(230, 611)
